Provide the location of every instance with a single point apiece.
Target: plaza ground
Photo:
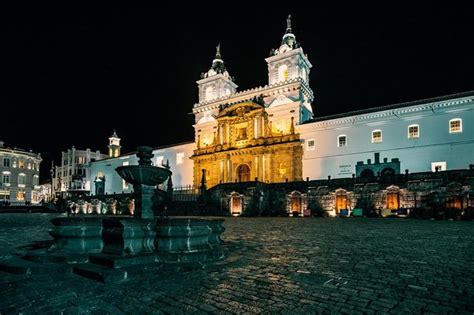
(289, 265)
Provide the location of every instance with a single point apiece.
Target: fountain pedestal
(144, 201)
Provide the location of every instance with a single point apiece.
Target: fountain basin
(143, 174)
(79, 234)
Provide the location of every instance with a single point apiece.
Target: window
(21, 163)
(455, 125)
(29, 165)
(5, 179)
(283, 73)
(413, 131)
(341, 141)
(14, 164)
(81, 160)
(35, 180)
(20, 195)
(6, 162)
(21, 180)
(438, 166)
(310, 145)
(376, 136)
(242, 134)
(65, 161)
(180, 158)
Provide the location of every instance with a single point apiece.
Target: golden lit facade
(250, 135)
(241, 145)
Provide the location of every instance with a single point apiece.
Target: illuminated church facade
(268, 134)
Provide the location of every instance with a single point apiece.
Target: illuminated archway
(243, 173)
(296, 203)
(236, 204)
(341, 200)
(393, 198)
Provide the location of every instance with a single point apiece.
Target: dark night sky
(65, 77)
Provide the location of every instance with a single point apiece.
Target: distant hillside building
(269, 133)
(19, 176)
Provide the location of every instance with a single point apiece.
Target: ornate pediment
(280, 100)
(239, 109)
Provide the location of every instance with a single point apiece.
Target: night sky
(64, 78)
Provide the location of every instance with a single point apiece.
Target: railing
(185, 193)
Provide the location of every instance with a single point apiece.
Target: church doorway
(455, 202)
(296, 204)
(236, 204)
(392, 200)
(341, 200)
(243, 173)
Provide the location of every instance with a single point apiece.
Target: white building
(106, 180)
(428, 135)
(20, 176)
(73, 174)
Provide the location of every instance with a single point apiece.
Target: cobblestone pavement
(275, 265)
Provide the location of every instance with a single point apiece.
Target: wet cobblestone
(276, 265)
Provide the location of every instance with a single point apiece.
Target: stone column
(143, 201)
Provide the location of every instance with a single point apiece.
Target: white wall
(182, 173)
(434, 144)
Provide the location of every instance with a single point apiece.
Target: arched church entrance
(243, 173)
(341, 200)
(296, 203)
(393, 198)
(367, 173)
(236, 204)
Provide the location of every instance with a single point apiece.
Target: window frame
(460, 125)
(381, 136)
(310, 148)
(339, 141)
(417, 131)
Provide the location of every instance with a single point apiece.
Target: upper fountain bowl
(143, 174)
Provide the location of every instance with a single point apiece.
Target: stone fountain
(117, 245)
(113, 248)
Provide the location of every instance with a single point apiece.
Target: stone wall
(376, 196)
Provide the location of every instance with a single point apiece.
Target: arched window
(283, 73)
(243, 173)
(21, 180)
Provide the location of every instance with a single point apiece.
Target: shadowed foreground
(275, 264)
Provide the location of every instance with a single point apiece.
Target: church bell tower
(114, 145)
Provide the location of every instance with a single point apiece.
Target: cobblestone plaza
(289, 265)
